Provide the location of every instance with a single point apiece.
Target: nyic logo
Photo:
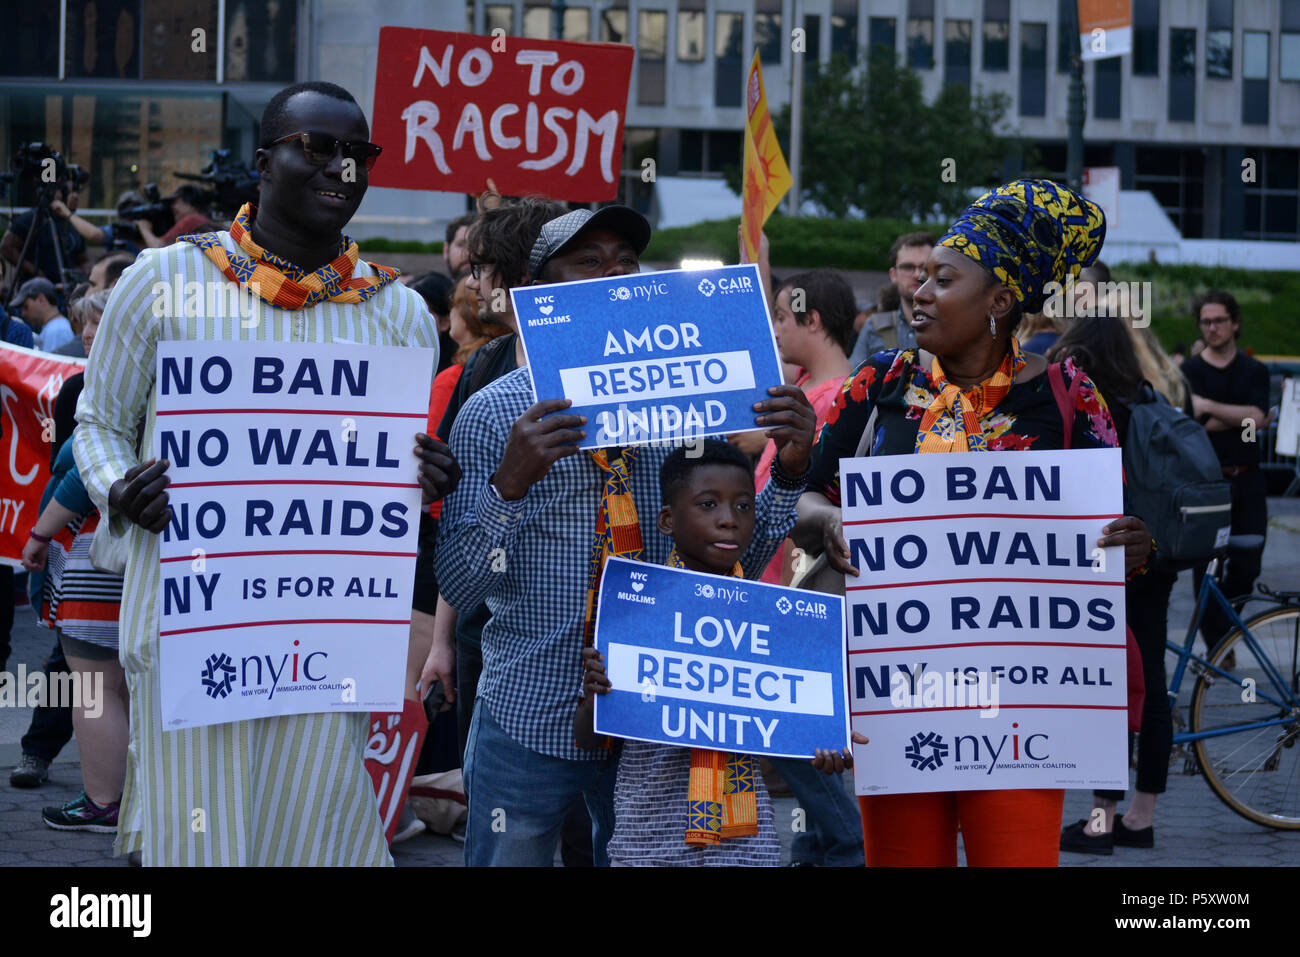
(622, 292)
(926, 751)
(293, 672)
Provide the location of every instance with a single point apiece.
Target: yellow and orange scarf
(952, 422)
(278, 281)
(721, 798)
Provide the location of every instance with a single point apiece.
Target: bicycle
(1244, 715)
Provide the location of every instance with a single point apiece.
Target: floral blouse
(1028, 417)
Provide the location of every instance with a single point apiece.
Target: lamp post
(1076, 111)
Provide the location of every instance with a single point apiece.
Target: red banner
(391, 755)
(541, 117)
(29, 383)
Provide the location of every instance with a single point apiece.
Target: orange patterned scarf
(721, 800)
(281, 283)
(952, 422)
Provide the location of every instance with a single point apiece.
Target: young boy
(708, 512)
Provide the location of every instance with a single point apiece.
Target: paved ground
(1193, 828)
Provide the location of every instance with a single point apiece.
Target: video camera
(158, 213)
(44, 169)
(232, 182)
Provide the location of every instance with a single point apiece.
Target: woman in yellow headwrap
(969, 387)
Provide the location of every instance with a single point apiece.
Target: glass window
(1254, 55)
(123, 138)
(920, 34)
(1106, 78)
(728, 37)
(956, 52)
(997, 34)
(261, 40)
(767, 30)
(1182, 76)
(537, 22)
(1033, 69)
(812, 29)
(1288, 56)
(1067, 37)
(651, 46)
(103, 38)
(577, 25)
(1182, 52)
(39, 58)
(169, 42)
(844, 29)
(613, 26)
(690, 33)
(1146, 37)
(1218, 39)
(881, 36)
(499, 15)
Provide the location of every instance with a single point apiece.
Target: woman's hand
(34, 554)
(1132, 534)
(835, 548)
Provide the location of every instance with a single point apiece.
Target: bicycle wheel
(1255, 772)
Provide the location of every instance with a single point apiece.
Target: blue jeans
(834, 827)
(519, 798)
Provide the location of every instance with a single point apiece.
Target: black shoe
(31, 772)
(1079, 839)
(1143, 837)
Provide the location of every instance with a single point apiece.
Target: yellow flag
(766, 176)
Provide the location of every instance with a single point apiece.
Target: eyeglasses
(319, 148)
(1216, 321)
(906, 269)
(478, 269)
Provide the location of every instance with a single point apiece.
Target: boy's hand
(593, 674)
(831, 761)
(791, 423)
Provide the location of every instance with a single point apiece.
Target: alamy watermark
(62, 689)
(1093, 300)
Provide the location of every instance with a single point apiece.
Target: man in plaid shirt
(518, 532)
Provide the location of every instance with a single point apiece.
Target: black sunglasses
(319, 148)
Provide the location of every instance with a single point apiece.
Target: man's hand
(835, 548)
(439, 472)
(439, 666)
(141, 495)
(831, 761)
(60, 209)
(791, 423)
(1132, 534)
(594, 681)
(536, 442)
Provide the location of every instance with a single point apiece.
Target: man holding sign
(528, 530)
(290, 789)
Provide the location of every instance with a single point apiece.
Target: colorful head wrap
(1029, 233)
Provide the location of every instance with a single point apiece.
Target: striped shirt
(286, 790)
(528, 560)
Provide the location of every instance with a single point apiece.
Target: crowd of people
(955, 355)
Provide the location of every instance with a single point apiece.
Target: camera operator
(188, 205)
(121, 234)
(41, 259)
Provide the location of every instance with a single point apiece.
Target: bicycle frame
(1286, 700)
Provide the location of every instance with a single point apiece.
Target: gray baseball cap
(623, 220)
(34, 287)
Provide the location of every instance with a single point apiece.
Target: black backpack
(1175, 482)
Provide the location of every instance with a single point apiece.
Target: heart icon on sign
(546, 310)
(637, 586)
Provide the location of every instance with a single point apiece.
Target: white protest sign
(986, 631)
(287, 570)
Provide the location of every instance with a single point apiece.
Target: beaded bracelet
(40, 538)
(784, 480)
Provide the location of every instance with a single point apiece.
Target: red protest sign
(29, 383)
(540, 117)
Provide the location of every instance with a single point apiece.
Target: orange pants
(998, 828)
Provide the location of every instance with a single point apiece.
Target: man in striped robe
(271, 791)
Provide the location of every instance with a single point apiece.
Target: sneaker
(458, 832)
(83, 814)
(31, 772)
(1079, 839)
(408, 825)
(1142, 837)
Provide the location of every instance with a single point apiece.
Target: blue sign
(705, 661)
(655, 357)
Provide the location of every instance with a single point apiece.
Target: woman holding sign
(970, 387)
